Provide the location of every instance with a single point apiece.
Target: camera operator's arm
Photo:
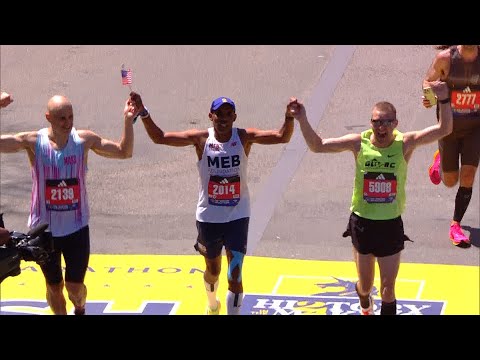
(4, 236)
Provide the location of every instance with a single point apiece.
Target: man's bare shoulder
(88, 137)
(443, 56)
(198, 132)
(28, 136)
(85, 133)
(20, 140)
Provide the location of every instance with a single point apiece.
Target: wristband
(444, 101)
(144, 113)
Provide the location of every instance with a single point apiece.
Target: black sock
(364, 300)
(462, 200)
(389, 308)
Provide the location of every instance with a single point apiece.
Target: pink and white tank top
(59, 195)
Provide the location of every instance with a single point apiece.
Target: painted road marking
(173, 285)
(400, 283)
(282, 173)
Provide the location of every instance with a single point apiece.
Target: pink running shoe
(434, 169)
(457, 236)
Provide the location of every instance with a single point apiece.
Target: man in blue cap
(223, 209)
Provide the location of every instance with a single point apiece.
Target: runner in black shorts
(378, 237)
(58, 155)
(378, 201)
(459, 67)
(223, 207)
(212, 237)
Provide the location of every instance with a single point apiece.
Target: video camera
(36, 245)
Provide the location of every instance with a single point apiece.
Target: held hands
(142, 109)
(131, 109)
(137, 99)
(440, 89)
(296, 109)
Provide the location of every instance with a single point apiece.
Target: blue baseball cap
(220, 101)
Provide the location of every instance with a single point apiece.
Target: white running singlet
(222, 188)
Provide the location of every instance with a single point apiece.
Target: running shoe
(434, 169)
(214, 311)
(457, 236)
(369, 310)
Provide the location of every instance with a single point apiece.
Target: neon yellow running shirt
(380, 176)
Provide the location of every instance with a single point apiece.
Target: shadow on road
(474, 235)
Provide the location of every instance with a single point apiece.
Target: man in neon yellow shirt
(378, 201)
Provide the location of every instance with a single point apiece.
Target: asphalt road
(300, 200)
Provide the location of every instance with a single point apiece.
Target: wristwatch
(144, 113)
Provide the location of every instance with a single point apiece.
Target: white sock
(211, 294)
(234, 303)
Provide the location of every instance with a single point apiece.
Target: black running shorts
(212, 237)
(463, 146)
(76, 253)
(377, 237)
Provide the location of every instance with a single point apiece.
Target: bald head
(58, 104)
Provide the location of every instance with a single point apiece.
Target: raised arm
(158, 136)
(442, 128)
(316, 144)
(268, 137)
(18, 142)
(174, 138)
(111, 149)
(438, 70)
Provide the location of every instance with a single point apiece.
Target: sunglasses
(382, 122)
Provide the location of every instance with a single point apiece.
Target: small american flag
(126, 77)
